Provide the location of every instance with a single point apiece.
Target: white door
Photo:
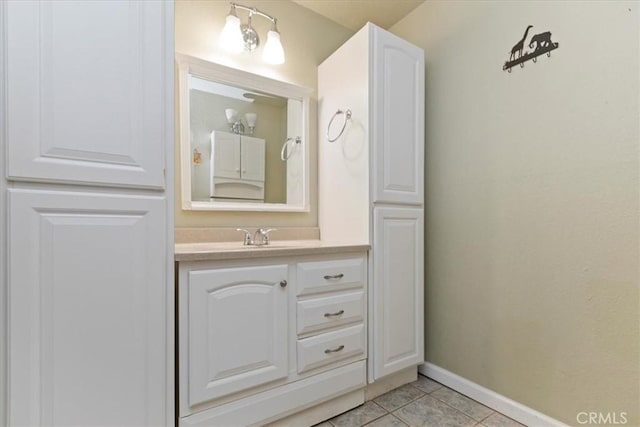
(237, 329)
(225, 155)
(253, 158)
(397, 317)
(86, 94)
(398, 119)
(87, 309)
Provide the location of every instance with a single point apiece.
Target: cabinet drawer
(325, 349)
(327, 276)
(328, 312)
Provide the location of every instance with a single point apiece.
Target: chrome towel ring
(284, 153)
(347, 116)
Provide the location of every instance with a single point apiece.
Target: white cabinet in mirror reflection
(237, 167)
(207, 93)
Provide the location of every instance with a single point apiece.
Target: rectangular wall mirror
(243, 140)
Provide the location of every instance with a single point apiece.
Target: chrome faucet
(260, 237)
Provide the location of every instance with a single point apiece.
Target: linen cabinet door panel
(86, 87)
(253, 158)
(88, 318)
(398, 304)
(398, 125)
(225, 155)
(237, 331)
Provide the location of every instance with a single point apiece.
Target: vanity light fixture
(235, 124)
(236, 36)
(251, 121)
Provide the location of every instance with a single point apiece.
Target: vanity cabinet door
(225, 155)
(237, 327)
(398, 119)
(398, 303)
(253, 152)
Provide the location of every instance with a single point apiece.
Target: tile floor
(421, 403)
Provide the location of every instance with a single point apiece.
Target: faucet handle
(264, 233)
(247, 237)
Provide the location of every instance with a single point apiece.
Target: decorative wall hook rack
(542, 43)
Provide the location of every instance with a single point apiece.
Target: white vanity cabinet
(237, 166)
(261, 339)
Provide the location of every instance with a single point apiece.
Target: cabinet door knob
(334, 350)
(283, 283)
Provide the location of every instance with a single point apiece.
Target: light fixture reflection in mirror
(251, 121)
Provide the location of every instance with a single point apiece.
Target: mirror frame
(189, 65)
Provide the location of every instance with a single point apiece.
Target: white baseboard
(510, 408)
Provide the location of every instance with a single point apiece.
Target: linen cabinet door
(87, 309)
(397, 326)
(253, 158)
(398, 119)
(86, 91)
(225, 156)
(237, 329)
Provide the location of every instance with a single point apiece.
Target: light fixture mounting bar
(253, 11)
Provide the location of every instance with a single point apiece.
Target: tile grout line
(376, 418)
(388, 413)
(361, 425)
(384, 409)
(493, 411)
(417, 398)
(455, 409)
(424, 393)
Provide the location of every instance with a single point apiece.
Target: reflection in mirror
(243, 138)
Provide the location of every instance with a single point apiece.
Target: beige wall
(307, 39)
(532, 202)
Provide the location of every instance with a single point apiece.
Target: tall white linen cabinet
(86, 252)
(371, 182)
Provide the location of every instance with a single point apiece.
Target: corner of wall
(3, 225)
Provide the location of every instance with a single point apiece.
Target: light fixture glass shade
(232, 115)
(251, 119)
(231, 36)
(273, 53)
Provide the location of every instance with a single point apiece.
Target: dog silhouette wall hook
(542, 43)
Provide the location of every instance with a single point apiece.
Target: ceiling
(353, 14)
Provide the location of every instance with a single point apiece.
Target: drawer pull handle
(334, 350)
(337, 313)
(334, 276)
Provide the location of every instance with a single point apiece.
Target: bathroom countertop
(210, 251)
